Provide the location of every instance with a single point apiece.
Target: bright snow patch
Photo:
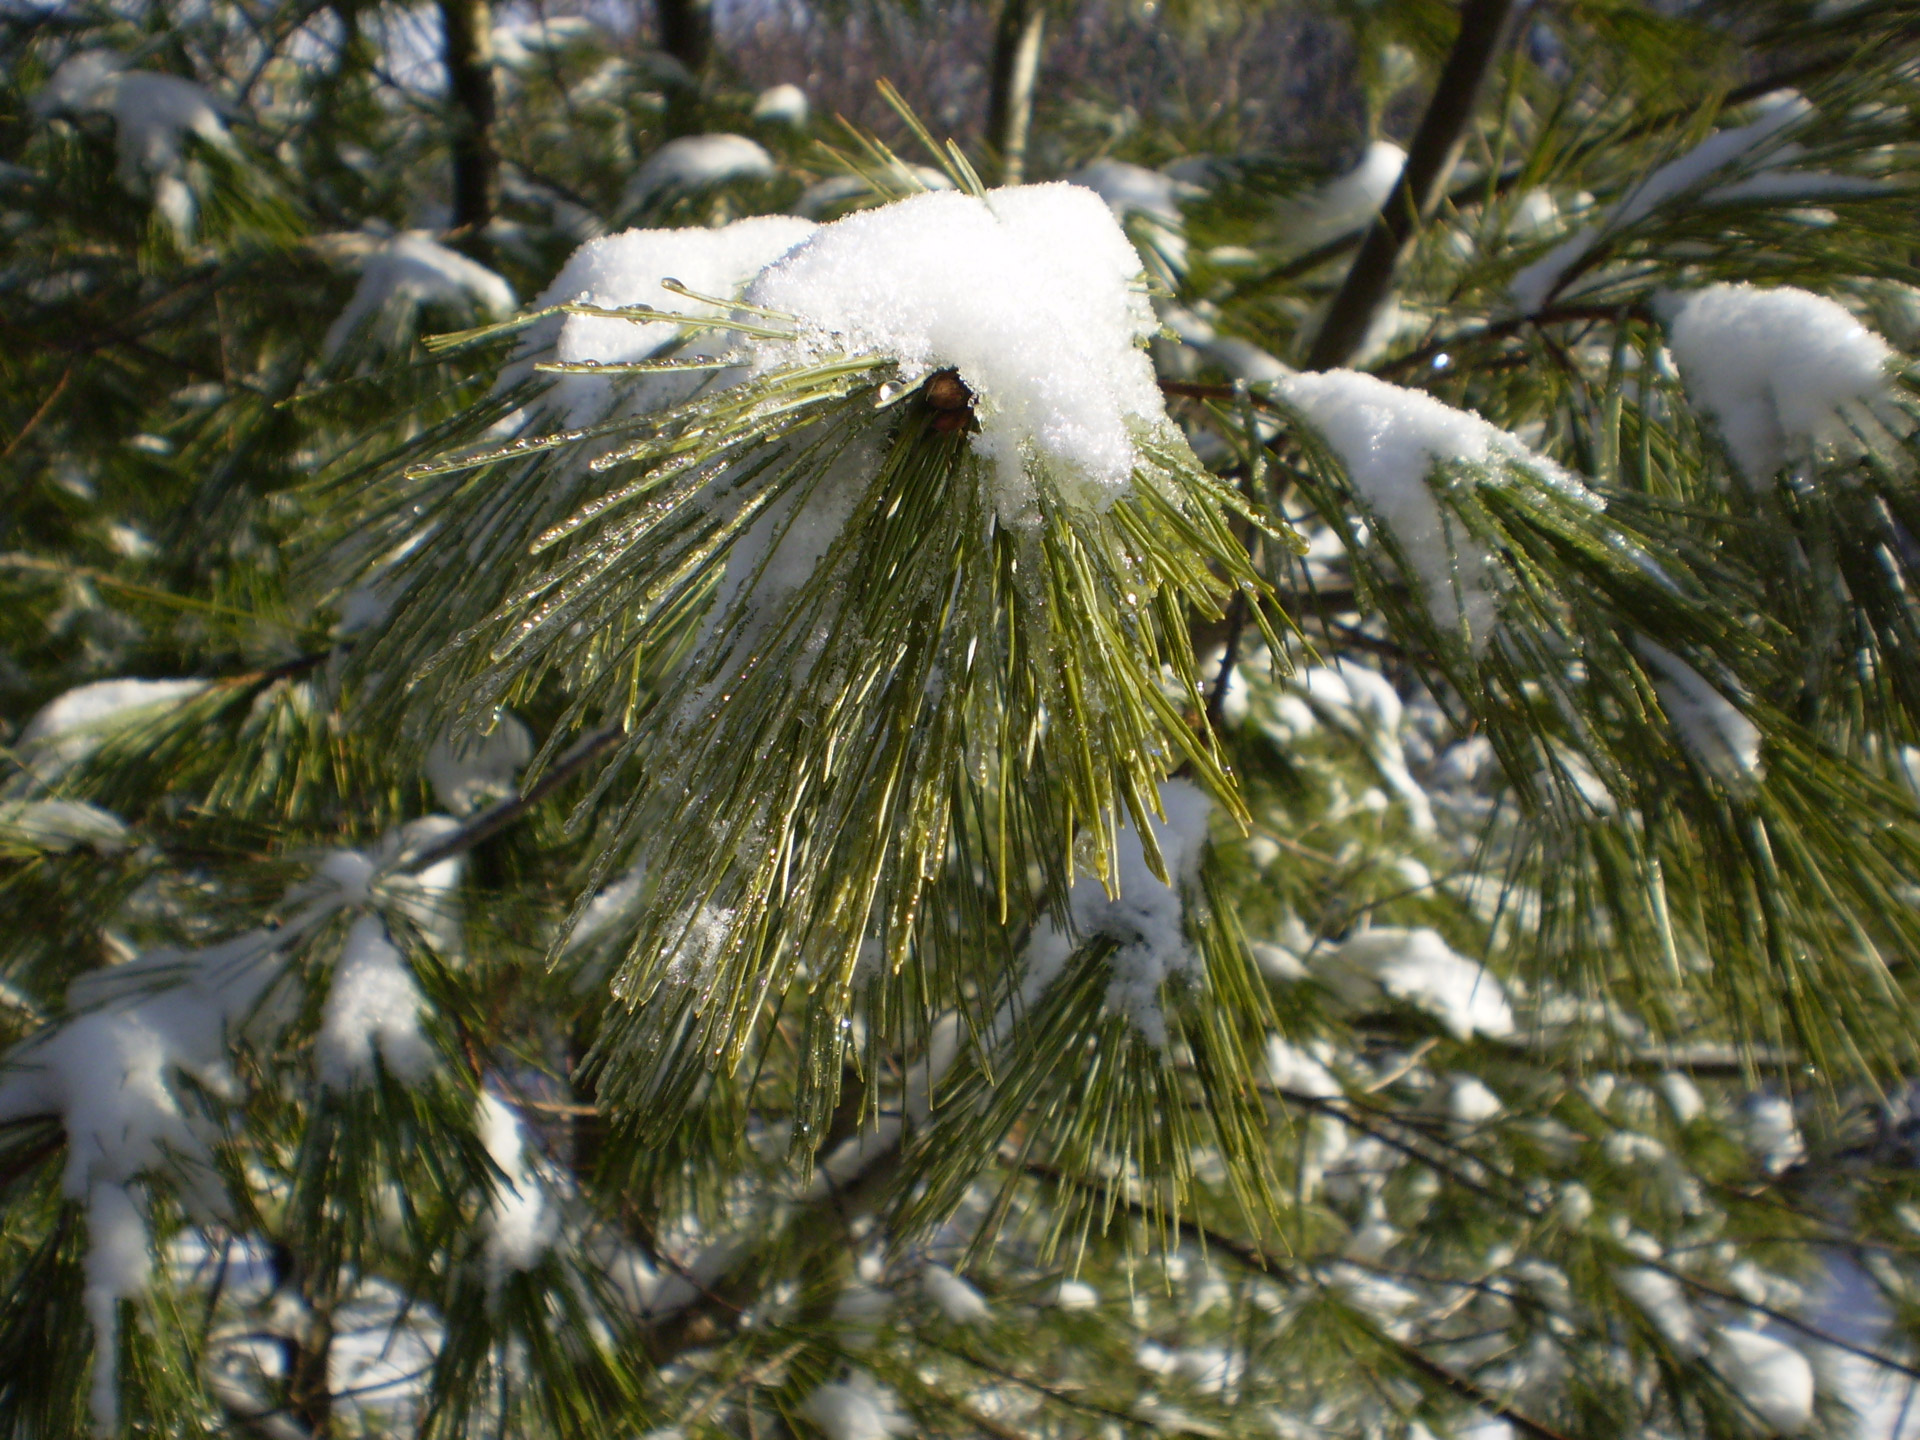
(110, 1072)
(1073, 1295)
(1347, 202)
(954, 1297)
(1390, 440)
(1147, 918)
(1134, 190)
(58, 826)
(519, 43)
(1709, 725)
(1421, 969)
(1777, 369)
(475, 770)
(410, 271)
(373, 1009)
(152, 117)
(69, 729)
(1032, 294)
(1298, 1072)
(520, 1224)
(697, 162)
(616, 271)
(1662, 1300)
(1773, 1378)
(1538, 283)
(857, 1408)
(781, 105)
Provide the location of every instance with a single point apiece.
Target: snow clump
(521, 1225)
(1539, 282)
(954, 1297)
(694, 163)
(373, 1009)
(781, 105)
(1133, 190)
(1146, 917)
(152, 117)
(1390, 440)
(1422, 970)
(627, 269)
(1710, 726)
(472, 771)
(1348, 201)
(1032, 294)
(519, 43)
(1771, 1377)
(408, 273)
(73, 726)
(857, 1408)
(1777, 369)
(1664, 1303)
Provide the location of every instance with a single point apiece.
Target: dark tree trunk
(476, 159)
(686, 33)
(1017, 41)
(1430, 160)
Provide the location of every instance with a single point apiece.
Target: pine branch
(1263, 1261)
(494, 819)
(1430, 160)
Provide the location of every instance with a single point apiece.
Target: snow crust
(373, 1013)
(697, 162)
(521, 1224)
(1032, 294)
(627, 269)
(1390, 440)
(152, 114)
(1709, 725)
(857, 1408)
(1146, 916)
(1537, 283)
(414, 270)
(1421, 969)
(1777, 369)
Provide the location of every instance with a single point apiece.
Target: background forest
(683, 752)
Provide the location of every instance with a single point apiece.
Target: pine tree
(1257, 796)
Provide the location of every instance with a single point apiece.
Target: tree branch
(1430, 161)
(1257, 1257)
(495, 818)
(1017, 40)
(468, 26)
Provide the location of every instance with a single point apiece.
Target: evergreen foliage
(724, 859)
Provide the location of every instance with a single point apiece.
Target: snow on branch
(1391, 441)
(1780, 370)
